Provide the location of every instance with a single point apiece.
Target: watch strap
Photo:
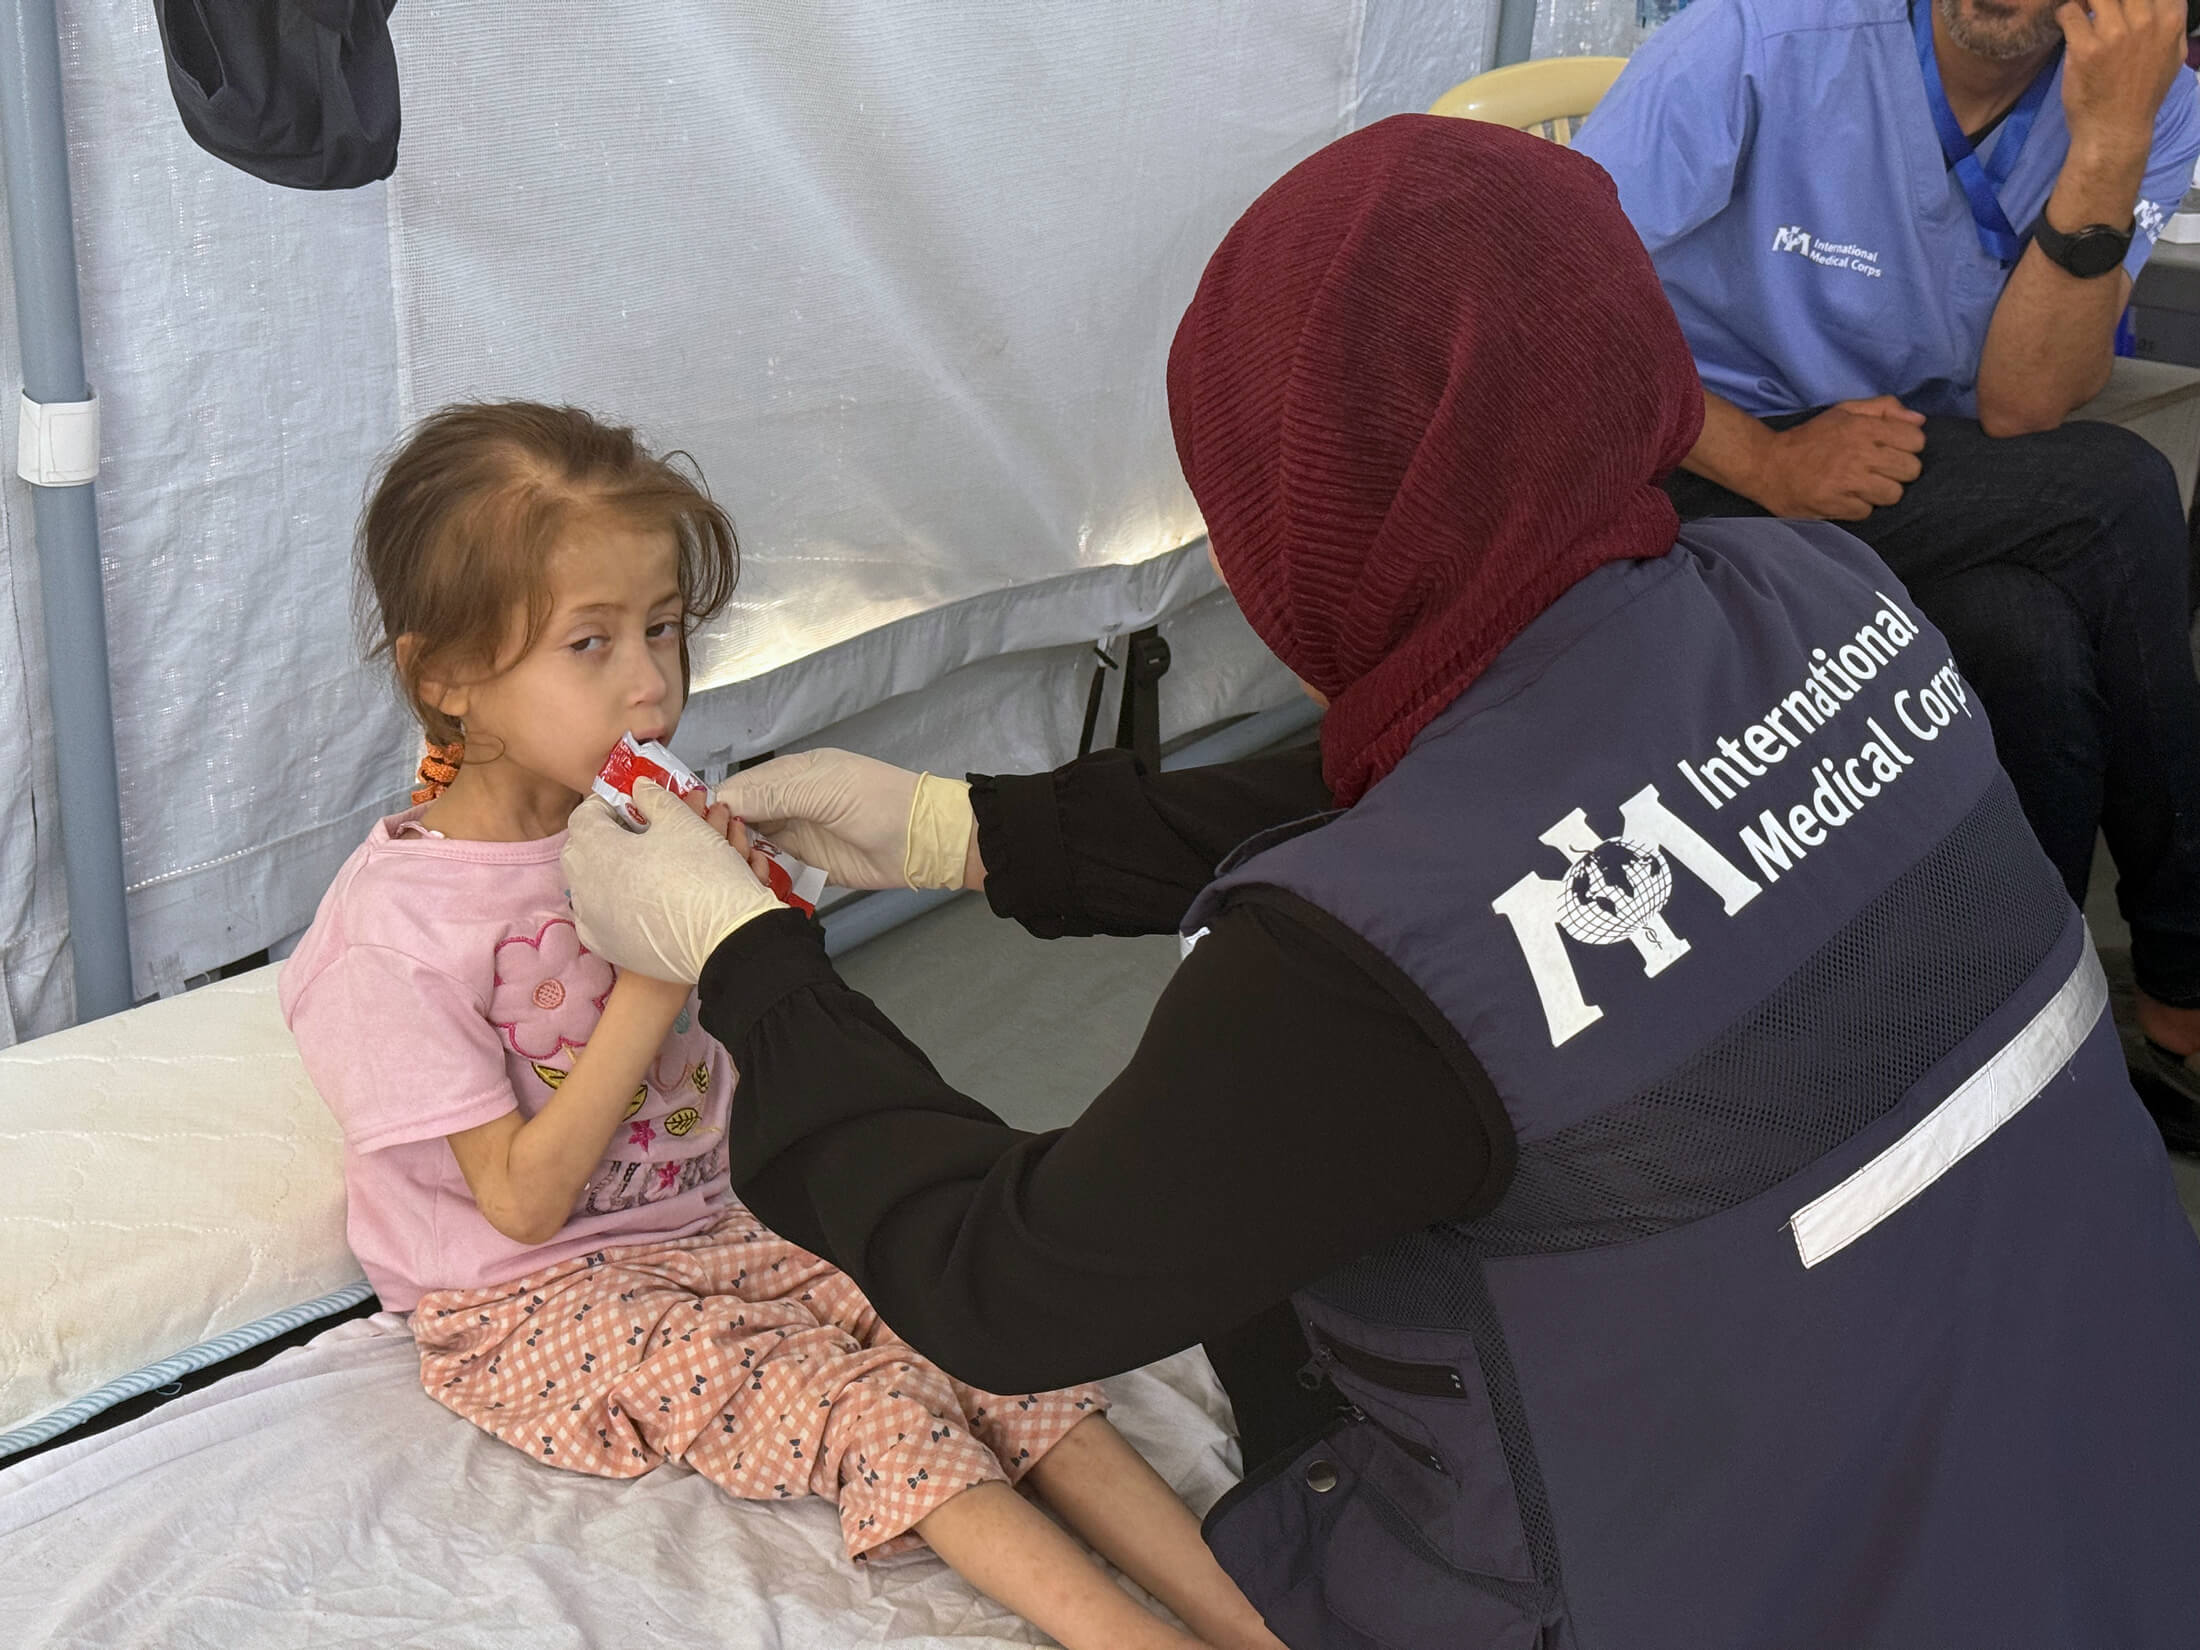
(2087, 253)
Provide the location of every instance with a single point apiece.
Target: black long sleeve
(1283, 1114)
(1294, 1103)
(1101, 846)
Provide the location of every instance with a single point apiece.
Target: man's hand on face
(2119, 61)
(1853, 458)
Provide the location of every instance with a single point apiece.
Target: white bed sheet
(323, 1499)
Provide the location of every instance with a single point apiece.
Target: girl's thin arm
(525, 1173)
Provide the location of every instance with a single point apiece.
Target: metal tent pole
(1515, 32)
(34, 153)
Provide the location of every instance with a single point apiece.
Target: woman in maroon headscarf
(1427, 383)
(1664, 1204)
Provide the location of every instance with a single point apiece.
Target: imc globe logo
(1614, 891)
(1614, 888)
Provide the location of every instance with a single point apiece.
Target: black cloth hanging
(298, 92)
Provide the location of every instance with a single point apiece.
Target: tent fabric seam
(379, 808)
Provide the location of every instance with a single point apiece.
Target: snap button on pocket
(1321, 1477)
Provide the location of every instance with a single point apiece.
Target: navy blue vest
(1840, 1298)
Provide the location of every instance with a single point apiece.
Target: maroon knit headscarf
(1429, 381)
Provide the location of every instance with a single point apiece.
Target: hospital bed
(176, 1202)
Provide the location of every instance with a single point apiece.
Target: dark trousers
(2057, 565)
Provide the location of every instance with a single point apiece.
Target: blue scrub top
(1779, 160)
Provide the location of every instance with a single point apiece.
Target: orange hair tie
(437, 769)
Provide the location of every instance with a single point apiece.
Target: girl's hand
(735, 830)
(721, 819)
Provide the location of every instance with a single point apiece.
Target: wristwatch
(2092, 252)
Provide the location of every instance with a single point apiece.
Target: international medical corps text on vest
(1618, 887)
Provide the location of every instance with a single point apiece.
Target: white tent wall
(901, 276)
(1411, 54)
(1597, 28)
(1031, 706)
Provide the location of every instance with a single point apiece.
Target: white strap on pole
(57, 442)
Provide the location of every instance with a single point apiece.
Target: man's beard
(1999, 33)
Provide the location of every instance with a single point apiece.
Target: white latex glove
(657, 902)
(864, 823)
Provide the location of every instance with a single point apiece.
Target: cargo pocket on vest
(1328, 1560)
(1446, 1474)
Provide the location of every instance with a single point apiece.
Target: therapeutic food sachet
(633, 760)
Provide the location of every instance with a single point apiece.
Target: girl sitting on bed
(535, 1145)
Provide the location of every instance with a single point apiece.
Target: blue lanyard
(1981, 180)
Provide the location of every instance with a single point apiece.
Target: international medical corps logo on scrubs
(1615, 888)
(1859, 260)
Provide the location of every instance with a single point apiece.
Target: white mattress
(324, 1499)
(171, 1177)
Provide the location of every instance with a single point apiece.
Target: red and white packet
(795, 883)
(633, 760)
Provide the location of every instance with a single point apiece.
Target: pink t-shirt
(441, 985)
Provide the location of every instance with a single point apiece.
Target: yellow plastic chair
(1550, 96)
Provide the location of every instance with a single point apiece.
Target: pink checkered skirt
(750, 1359)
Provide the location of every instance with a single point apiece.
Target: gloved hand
(864, 823)
(660, 902)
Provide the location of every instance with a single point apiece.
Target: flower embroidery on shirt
(550, 990)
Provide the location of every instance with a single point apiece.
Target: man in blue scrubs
(1899, 237)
